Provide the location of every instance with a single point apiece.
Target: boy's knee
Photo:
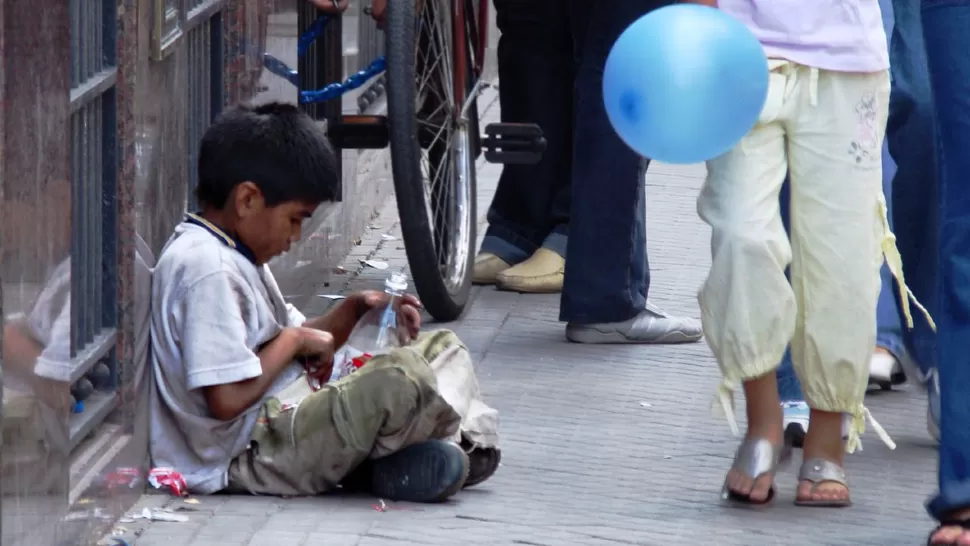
(394, 386)
(431, 344)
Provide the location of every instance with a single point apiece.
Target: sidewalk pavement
(601, 444)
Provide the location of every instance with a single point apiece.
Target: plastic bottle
(375, 333)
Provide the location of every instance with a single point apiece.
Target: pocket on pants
(775, 99)
(758, 140)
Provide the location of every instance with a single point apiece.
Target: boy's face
(267, 231)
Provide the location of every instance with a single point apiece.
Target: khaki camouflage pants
(305, 443)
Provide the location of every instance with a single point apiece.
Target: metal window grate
(93, 128)
(370, 42)
(87, 39)
(370, 45)
(205, 93)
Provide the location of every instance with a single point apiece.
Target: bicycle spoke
(434, 81)
(433, 147)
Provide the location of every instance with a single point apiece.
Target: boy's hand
(316, 351)
(408, 311)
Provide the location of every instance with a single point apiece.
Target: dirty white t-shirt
(212, 309)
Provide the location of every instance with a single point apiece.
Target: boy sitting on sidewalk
(232, 407)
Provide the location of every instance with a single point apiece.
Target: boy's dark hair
(276, 146)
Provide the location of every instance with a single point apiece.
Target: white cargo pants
(826, 129)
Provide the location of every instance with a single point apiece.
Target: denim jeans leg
(537, 68)
(910, 136)
(888, 327)
(558, 240)
(946, 27)
(607, 275)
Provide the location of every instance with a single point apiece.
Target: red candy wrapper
(122, 477)
(359, 361)
(167, 477)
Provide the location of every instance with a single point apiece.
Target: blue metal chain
(279, 68)
(311, 34)
(335, 90)
(330, 91)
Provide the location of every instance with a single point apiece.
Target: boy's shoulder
(193, 254)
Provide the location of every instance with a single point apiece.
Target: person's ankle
(824, 437)
(763, 408)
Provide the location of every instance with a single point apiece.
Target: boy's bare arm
(228, 401)
(341, 319)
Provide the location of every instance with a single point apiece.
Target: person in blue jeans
(911, 135)
(602, 204)
(946, 28)
(607, 277)
(524, 247)
(908, 168)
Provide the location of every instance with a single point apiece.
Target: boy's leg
(837, 231)
(946, 26)
(388, 405)
(456, 383)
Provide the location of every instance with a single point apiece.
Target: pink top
(840, 35)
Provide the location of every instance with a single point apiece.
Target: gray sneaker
(650, 326)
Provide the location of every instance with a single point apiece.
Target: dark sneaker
(483, 462)
(430, 471)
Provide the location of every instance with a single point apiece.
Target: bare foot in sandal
(822, 478)
(747, 481)
(751, 478)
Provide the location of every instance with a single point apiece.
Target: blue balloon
(684, 83)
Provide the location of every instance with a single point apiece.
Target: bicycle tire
(444, 288)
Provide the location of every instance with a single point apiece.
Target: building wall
(79, 227)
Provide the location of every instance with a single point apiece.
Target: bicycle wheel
(433, 147)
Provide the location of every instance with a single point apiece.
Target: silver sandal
(818, 471)
(755, 458)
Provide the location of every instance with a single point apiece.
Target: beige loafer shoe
(487, 267)
(542, 273)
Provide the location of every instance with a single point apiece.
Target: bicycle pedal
(359, 132)
(513, 143)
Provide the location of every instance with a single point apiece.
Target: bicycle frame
(461, 41)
